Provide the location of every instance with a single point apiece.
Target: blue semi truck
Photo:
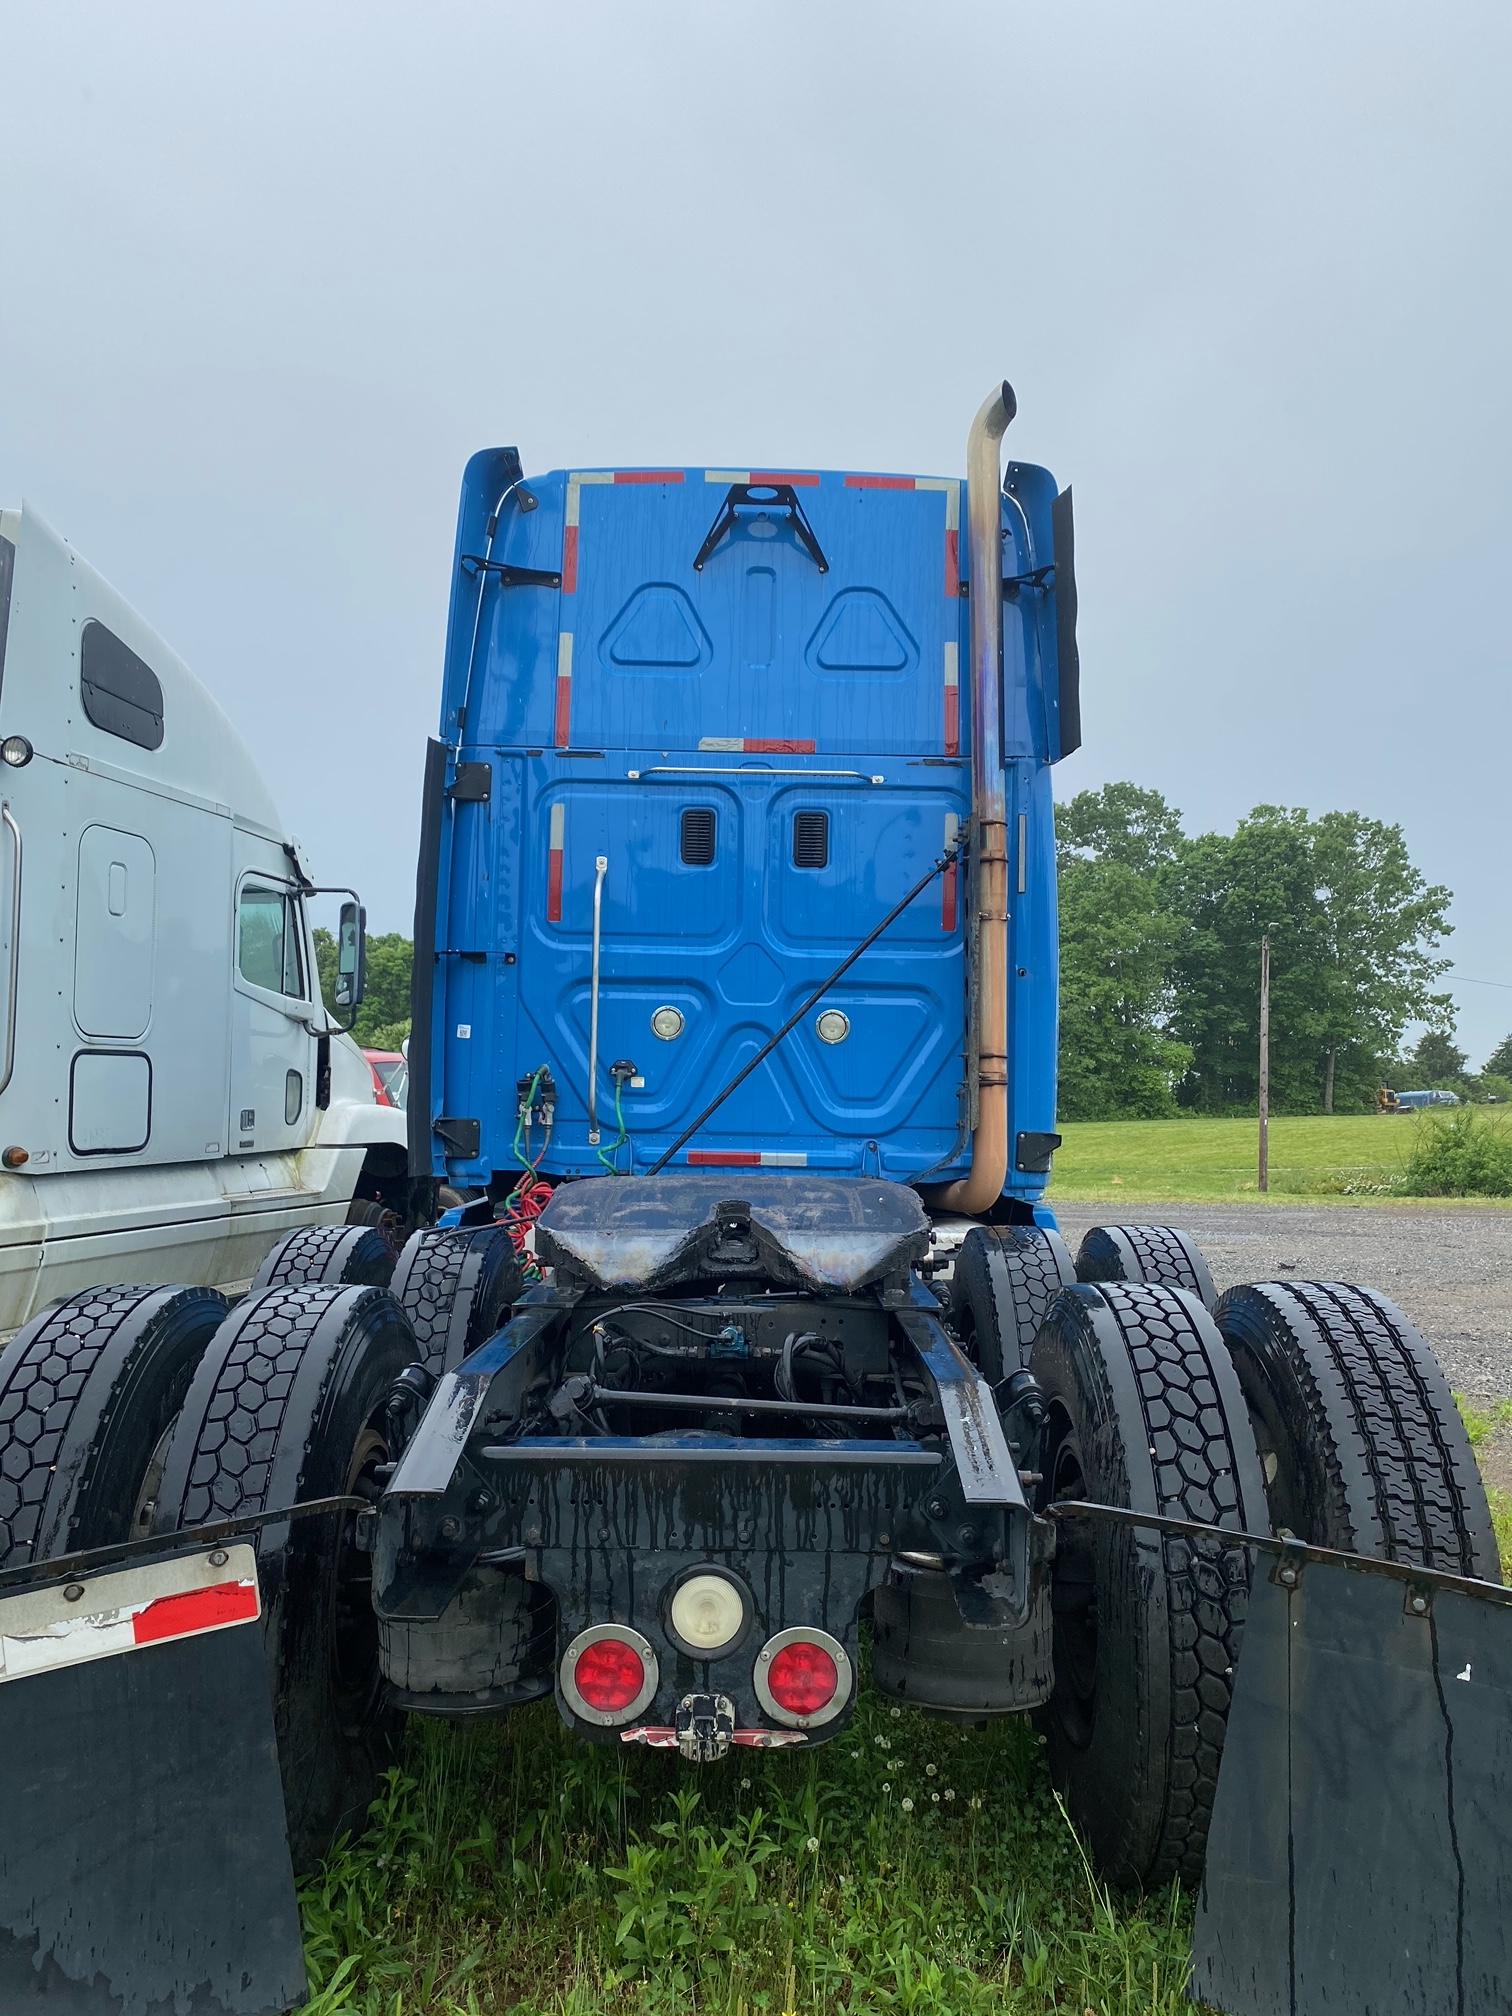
(754, 1370)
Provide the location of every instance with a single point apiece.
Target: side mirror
(351, 959)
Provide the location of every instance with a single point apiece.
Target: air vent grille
(811, 839)
(698, 831)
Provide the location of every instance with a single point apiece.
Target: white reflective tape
(783, 1161)
(564, 655)
(727, 475)
(951, 486)
(731, 745)
(952, 665)
(575, 481)
(127, 1610)
(558, 827)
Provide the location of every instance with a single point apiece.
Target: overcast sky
(269, 273)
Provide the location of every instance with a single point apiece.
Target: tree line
(1160, 956)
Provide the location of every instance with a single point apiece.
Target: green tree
(1122, 823)
(1380, 923)
(383, 1019)
(1353, 929)
(1438, 1060)
(1499, 1063)
(1118, 943)
(1117, 1059)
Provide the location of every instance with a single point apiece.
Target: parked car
(1411, 1102)
(390, 1076)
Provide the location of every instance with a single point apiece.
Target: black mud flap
(1360, 1857)
(144, 1867)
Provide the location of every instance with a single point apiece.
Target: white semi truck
(175, 1098)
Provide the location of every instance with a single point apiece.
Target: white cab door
(273, 1046)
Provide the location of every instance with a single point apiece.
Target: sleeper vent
(811, 839)
(698, 836)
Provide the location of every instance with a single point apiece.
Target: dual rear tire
(1313, 1408)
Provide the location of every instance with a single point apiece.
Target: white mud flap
(1360, 1858)
(144, 1866)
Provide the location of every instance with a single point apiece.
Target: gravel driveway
(1451, 1271)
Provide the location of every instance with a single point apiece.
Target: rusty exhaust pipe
(988, 1043)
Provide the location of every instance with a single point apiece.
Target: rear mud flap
(144, 1866)
(1360, 1857)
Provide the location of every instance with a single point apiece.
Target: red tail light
(803, 1677)
(609, 1673)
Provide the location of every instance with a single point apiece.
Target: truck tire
(1360, 1440)
(327, 1256)
(1159, 1254)
(1006, 1277)
(1143, 1410)
(288, 1405)
(456, 1287)
(88, 1390)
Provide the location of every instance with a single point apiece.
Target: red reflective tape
(800, 481)
(880, 482)
(704, 1158)
(554, 886)
(563, 710)
(196, 1610)
(755, 745)
(948, 901)
(569, 560)
(952, 565)
(648, 475)
(952, 720)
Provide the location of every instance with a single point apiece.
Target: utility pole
(1265, 1063)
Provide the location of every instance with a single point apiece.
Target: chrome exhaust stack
(987, 1043)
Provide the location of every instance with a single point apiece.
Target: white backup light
(707, 1612)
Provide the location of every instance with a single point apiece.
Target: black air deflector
(1068, 667)
(811, 839)
(699, 829)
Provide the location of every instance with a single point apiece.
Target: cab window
(267, 941)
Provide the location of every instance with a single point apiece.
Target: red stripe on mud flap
(952, 720)
(196, 1610)
(756, 745)
(569, 560)
(879, 482)
(948, 900)
(952, 565)
(704, 1158)
(800, 481)
(563, 710)
(554, 886)
(648, 475)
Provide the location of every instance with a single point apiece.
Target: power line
(1471, 981)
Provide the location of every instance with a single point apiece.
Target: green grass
(510, 1870)
(1344, 1158)
(904, 1867)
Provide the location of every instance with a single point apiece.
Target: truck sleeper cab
(702, 731)
(173, 1096)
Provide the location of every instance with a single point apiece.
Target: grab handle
(600, 869)
(12, 1003)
